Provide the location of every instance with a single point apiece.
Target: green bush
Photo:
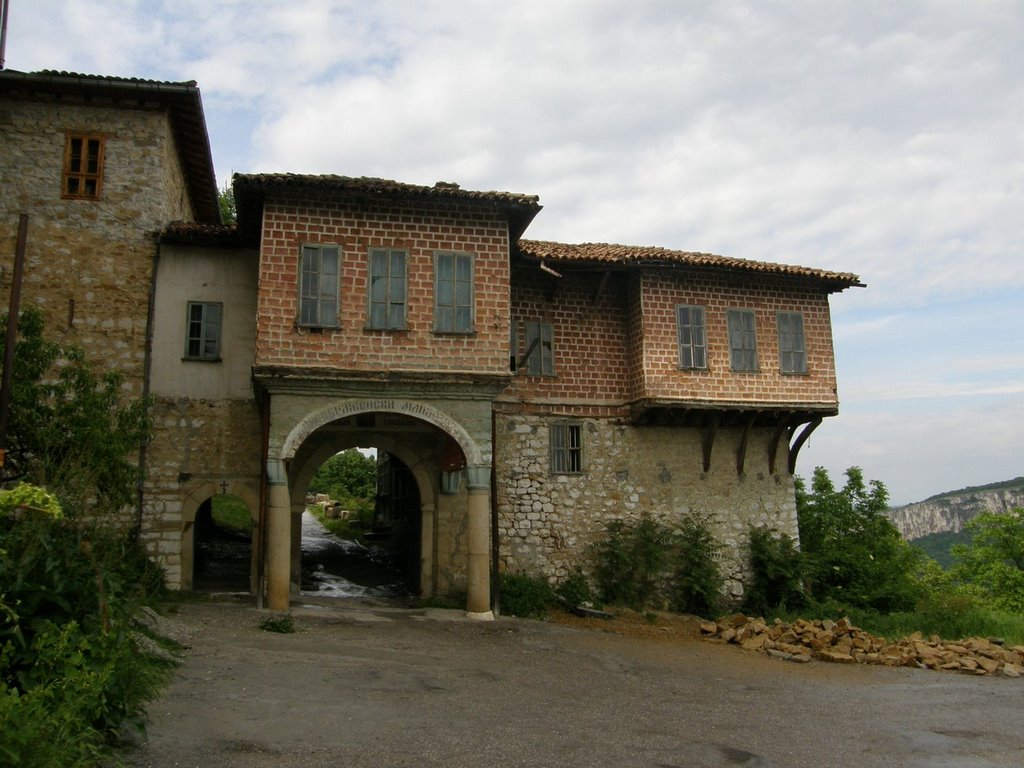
(648, 562)
(525, 596)
(775, 573)
(70, 593)
(575, 590)
(697, 586)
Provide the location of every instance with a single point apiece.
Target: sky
(880, 138)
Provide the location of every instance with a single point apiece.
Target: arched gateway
(441, 442)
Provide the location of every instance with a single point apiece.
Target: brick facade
(420, 230)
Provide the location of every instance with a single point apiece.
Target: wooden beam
(773, 445)
(710, 430)
(741, 451)
(805, 433)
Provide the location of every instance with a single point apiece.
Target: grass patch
(232, 514)
(283, 624)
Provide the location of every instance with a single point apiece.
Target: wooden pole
(12, 331)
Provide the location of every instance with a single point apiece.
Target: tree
(226, 200)
(852, 553)
(69, 430)
(346, 474)
(992, 565)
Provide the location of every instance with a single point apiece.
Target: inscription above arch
(428, 413)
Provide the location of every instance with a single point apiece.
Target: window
(202, 341)
(792, 356)
(566, 449)
(318, 286)
(453, 293)
(387, 288)
(693, 349)
(742, 340)
(540, 350)
(83, 167)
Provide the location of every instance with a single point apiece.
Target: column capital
(478, 477)
(277, 473)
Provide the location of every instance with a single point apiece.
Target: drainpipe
(147, 367)
(495, 590)
(261, 527)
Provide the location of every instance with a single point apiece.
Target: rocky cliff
(949, 512)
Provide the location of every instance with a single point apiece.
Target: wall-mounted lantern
(452, 462)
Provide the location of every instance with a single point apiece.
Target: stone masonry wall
(88, 263)
(196, 444)
(547, 523)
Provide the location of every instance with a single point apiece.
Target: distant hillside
(947, 512)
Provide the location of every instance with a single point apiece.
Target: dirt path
(365, 686)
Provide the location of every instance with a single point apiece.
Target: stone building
(527, 392)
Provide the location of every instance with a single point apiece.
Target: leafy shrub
(775, 573)
(632, 561)
(282, 624)
(697, 586)
(575, 590)
(992, 565)
(649, 562)
(525, 596)
(70, 592)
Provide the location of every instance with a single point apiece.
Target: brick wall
(420, 229)
(591, 337)
(662, 292)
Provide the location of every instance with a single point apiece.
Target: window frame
(392, 284)
(87, 181)
(692, 348)
(537, 360)
(796, 353)
(315, 296)
(205, 324)
(565, 442)
(451, 323)
(743, 356)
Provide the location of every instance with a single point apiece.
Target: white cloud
(874, 137)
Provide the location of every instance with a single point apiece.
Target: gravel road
(359, 685)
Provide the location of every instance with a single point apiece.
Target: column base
(480, 615)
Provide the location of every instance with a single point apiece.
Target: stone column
(427, 585)
(279, 536)
(478, 570)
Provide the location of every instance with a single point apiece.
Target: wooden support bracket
(797, 444)
(710, 431)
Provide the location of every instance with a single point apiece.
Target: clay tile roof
(251, 188)
(373, 186)
(634, 255)
(191, 233)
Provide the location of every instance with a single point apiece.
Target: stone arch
(414, 409)
(190, 504)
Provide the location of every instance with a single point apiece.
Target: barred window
(566, 449)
